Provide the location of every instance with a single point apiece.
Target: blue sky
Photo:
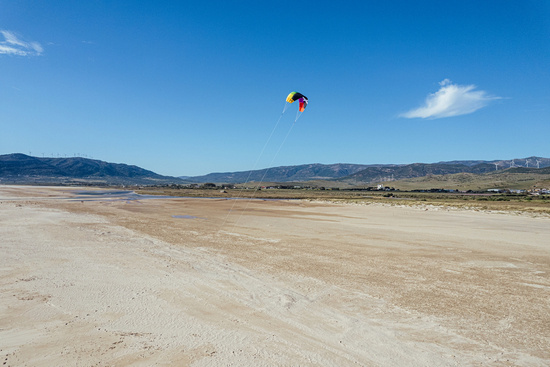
(193, 87)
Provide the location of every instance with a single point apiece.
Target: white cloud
(13, 45)
(451, 100)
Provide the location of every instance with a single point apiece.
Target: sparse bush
(208, 185)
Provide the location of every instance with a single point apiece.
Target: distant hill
(354, 174)
(386, 173)
(509, 178)
(532, 162)
(21, 168)
(304, 172)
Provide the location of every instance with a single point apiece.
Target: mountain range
(365, 174)
(305, 172)
(21, 168)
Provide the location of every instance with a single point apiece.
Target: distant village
(535, 191)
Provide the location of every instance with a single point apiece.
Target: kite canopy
(295, 96)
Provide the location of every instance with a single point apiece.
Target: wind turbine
(538, 163)
(496, 166)
(527, 163)
(513, 164)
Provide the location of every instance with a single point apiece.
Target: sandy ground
(90, 280)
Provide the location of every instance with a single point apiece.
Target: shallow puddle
(186, 217)
(113, 195)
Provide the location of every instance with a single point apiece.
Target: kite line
(255, 163)
(292, 97)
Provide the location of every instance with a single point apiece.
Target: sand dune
(112, 281)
